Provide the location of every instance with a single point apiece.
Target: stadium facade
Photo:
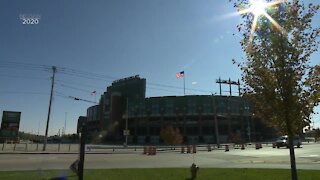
(200, 118)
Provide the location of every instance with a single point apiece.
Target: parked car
(283, 141)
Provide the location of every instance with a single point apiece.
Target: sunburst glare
(258, 9)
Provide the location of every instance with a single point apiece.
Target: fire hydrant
(194, 170)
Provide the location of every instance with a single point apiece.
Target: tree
(171, 135)
(280, 82)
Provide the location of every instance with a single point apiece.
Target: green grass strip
(163, 174)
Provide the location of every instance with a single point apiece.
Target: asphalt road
(307, 157)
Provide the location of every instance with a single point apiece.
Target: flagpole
(184, 83)
(182, 75)
(94, 93)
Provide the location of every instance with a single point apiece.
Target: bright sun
(257, 7)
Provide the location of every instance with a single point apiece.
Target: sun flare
(258, 9)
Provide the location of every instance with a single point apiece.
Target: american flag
(180, 74)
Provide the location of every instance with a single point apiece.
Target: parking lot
(307, 157)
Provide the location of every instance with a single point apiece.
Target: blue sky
(116, 39)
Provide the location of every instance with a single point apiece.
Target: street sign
(74, 166)
(10, 124)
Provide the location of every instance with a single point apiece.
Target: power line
(60, 94)
(84, 74)
(80, 99)
(23, 77)
(74, 88)
(24, 66)
(81, 84)
(88, 75)
(150, 84)
(96, 87)
(73, 97)
(23, 92)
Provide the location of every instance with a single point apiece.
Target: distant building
(196, 116)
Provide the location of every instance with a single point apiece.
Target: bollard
(209, 147)
(226, 148)
(257, 146)
(242, 147)
(144, 150)
(188, 149)
(69, 147)
(2, 146)
(182, 149)
(194, 149)
(14, 147)
(194, 171)
(59, 147)
(212, 147)
(26, 147)
(154, 150)
(149, 150)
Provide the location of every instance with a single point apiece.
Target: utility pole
(49, 111)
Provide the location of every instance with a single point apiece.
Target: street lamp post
(126, 130)
(82, 150)
(216, 121)
(248, 128)
(65, 124)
